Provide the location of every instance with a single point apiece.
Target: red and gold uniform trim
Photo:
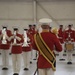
(52, 60)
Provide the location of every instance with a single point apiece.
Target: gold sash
(45, 50)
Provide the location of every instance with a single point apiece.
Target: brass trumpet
(4, 36)
(25, 39)
(15, 37)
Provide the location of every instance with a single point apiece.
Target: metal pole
(35, 11)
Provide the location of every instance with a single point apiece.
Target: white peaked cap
(15, 27)
(4, 25)
(45, 21)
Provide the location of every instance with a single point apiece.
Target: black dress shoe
(69, 62)
(30, 62)
(5, 68)
(26, 69)
(10, 53)
(15, 74)
(34, 59)
(62, 59)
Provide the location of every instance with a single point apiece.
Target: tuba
(4, 36)
(25, 39)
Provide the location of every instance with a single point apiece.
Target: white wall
(62, 12)
(16, 14)
(21, 13)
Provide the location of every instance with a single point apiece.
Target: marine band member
(26, 48)
(5, 46)
(44, 42)
(69, 38)
(61, 38)
(16, 50)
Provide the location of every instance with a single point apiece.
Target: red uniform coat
(30, 31)
(34, 31)
(53, 43)
(74, 35)
(0, 39)
(6, 46)
(69, 35)
(31, 35)
(61, 35)
(17, 49)
(27, 48)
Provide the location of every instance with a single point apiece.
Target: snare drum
(69, 46)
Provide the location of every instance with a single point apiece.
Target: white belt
(72, 39)
(68, 39)
(17, 44)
